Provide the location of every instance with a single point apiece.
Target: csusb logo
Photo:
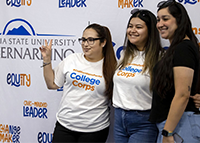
(130, 3)
(189, 1)
(18, 3)
(72, 3)
(9, 133)
(19, 40)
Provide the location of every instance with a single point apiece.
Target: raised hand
(46, 51)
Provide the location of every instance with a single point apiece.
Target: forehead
(89, 33)
(136, 20)
(163, 12)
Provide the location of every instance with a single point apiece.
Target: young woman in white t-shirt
(131, 94)
(83, 114)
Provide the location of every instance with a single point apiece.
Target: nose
(159, 24)
(85, 43)
(133, 29)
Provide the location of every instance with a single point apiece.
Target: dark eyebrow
(164, 16)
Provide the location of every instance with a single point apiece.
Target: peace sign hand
(46, 51)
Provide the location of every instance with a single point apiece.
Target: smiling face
(166, 24)
(92, 52)
(137, 33)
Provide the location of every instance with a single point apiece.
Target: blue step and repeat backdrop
(27, 107)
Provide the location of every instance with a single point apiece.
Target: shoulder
(186, 45)
(72, 56)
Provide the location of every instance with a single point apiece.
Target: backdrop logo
(9, 133)
(18, 3)
(196, 30)
(72, 3)
(189, 1)
(19, 79)
(19, 40)
(35, 109)
(44, 137)
(130, 3)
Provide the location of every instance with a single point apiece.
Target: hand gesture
(196, 99)
(46, 51)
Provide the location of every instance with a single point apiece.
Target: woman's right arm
(47, 67)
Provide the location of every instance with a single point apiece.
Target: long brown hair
(153, 50)
(109, 63)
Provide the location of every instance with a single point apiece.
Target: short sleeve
(59, 74)
(184, 55)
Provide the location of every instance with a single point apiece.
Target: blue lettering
(7, 2)
(137, 3)
(40, 137)
(83, 3)
(91, 81)
(72, 75)
(35, 112)
(16, 3)
(15, 131)
(67, 3)
(130, 69)
(61, 3)
(87, 79)
(140, 3)
(189, 1)
(72, 3)
(78, 77)
(97, 82)
(44, 137)
(15, 138)
(25, 111)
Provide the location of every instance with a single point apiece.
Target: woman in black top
(175, 77)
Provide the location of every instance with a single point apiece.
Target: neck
(91, 59)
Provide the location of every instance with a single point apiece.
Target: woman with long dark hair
(175, 77)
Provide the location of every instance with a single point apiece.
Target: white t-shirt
(131, 87)
(83, 106)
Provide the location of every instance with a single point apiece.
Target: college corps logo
(9, 133)
(19, 40)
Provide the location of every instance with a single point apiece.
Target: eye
(165, 19)
(90, 39)
(138, 27)
(130, 26)
(83, 39)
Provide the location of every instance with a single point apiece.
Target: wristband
(44, 64)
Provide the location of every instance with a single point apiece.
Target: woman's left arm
(183, 77)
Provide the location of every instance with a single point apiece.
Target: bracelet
(44, 64)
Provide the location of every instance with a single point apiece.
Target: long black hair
(163, 79)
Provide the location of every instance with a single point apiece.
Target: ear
(103, 43)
